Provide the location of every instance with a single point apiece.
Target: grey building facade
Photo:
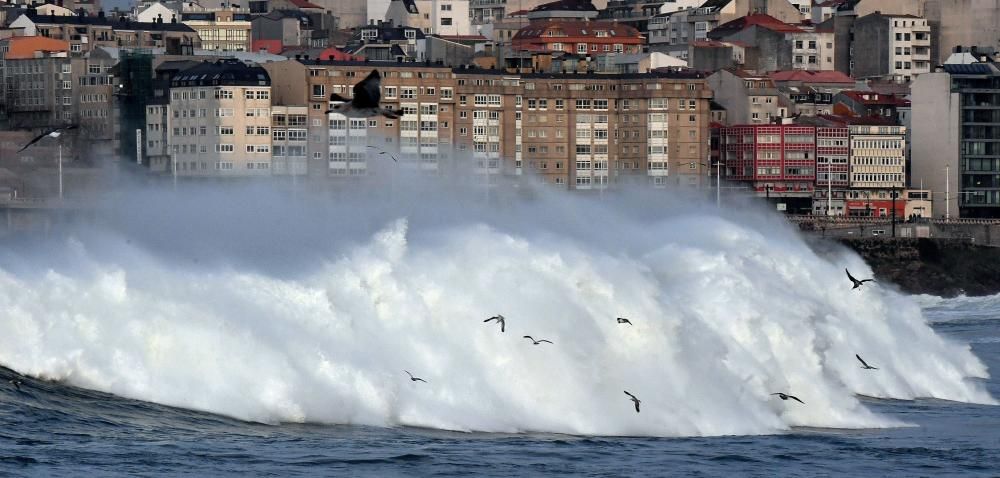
(956, 139)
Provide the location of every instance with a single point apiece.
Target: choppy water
(293, 349)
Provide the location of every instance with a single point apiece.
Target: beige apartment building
(574, 131)
(216, 123)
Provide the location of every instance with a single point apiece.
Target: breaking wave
(224, 311)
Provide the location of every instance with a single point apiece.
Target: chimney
(100, 14)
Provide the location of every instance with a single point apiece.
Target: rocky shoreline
(941, 267)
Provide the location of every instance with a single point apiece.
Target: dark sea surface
(51, 429)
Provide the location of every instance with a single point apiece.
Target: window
(445, 21)
(319, 90)
(223, 148)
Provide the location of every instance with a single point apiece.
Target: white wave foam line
(724, 315)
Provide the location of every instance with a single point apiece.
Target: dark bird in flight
(785, 396)
(499, 319)
(16, 383)
(415, 379)
(536, 342)
(365, 103)
(381, 152)
(864, 364)
(857, 283)
(54, 132)
(635, 400)
(623, 320)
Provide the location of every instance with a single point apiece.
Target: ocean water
(266, 336)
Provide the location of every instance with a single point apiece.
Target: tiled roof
(873, 98)
(827, 76)
(25, 47)
(577, 28)
(757, 19)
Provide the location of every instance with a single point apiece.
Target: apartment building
(578, 37)
(573, 131)
(897, 47)
(84, 33)
(216, 122)
(956, 121)
(775, 161)
(813, 49)
(289, 140)
(438, 17)
(45, 85)
(748, 98)
(220, 30)
(832, 170)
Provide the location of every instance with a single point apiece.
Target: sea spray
(726, 310)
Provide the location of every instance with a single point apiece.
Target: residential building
(811, 92)
(220, 30)
(713, 13)
(870, 104)
(777, 162)
(956, 121)
(574, 131)
(88, 32)
(878, 167)
(898, 47)
(832, 170)
(217, 122)
(578, 37)
(748, 98)
(152, 12)
(45, 85)
(289, 140)
(767, 41)
(439, 17)
(387, 42)
(813, 48)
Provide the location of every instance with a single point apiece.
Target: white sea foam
(218, 311)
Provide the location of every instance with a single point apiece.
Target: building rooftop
(566, 5)
(577, 28)
(757, 19)
(20, 48)
(825, 76)
(222, 72)
(121, 23)
(873, 98)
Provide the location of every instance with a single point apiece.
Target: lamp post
(947, 193)
(718, 181)
(60, 173)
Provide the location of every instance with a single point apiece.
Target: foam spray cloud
(249, 304)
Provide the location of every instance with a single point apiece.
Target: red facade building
(776, 161)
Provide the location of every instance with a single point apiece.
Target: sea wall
(942, 267)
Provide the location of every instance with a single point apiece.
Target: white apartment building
(437, 17)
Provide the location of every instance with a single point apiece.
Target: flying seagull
(635, 400)
(365, 103)
(499, 319)
(16, 383)
(415, 379)
(381, 152)
(55, 132)
(864, 364)
(785, 396)
(857, 283)
(536, 342)
(623, 320)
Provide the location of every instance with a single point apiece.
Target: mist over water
(254, 303)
